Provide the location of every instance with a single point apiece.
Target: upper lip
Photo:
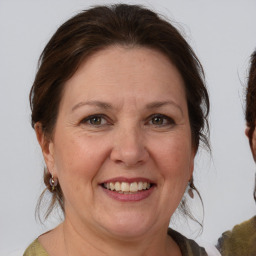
(128, 180)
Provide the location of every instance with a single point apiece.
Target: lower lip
(141, 195)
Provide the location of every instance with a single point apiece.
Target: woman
(242, 239)
(119, 107)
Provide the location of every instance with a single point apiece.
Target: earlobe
(46, 146)
(247, 129)
(252, 142)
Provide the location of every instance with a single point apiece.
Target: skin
(126, 86)
(253, 146)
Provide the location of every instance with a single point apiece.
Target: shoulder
(35, 249)
(241, 240)
(187, 246)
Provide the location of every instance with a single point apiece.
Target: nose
(129, 147)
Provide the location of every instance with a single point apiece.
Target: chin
(129, 226)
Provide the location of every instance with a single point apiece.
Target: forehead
(133, 72)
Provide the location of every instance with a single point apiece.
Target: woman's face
(122, 146)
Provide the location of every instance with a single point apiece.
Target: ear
(247, 129)
(47, 147)
(254, 144)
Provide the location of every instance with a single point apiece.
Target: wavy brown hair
(100, 27)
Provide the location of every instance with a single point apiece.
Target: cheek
(174, 165)
(79, 159)
(77, 162)
(175, 158)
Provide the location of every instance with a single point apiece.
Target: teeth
(117, 186)
(112, 186)
(144, 185)
(133, 187)
(126, 188)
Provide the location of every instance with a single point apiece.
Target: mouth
(127, 187)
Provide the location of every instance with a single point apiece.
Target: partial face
(253, 142)
(254, 145)
(122, 146)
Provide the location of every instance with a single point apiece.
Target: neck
(85, 242)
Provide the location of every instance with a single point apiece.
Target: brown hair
(96, 29)
(250, 112)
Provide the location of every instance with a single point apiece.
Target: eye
(95, 120)
(161, 120)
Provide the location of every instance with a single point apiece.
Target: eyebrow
(159, 104)
(105, 105)
(98, 104)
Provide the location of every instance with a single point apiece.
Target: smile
(126, 187)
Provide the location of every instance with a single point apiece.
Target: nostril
(129, 157)
(118, 161)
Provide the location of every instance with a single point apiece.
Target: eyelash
(166, 121)
(88, 120)
(169, 120)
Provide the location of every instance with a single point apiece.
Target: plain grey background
(222, 33)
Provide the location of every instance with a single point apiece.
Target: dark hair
(250, 112)
(97, 28)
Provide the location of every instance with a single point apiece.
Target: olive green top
(35, 249)
(187, 246)
(241, 241)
